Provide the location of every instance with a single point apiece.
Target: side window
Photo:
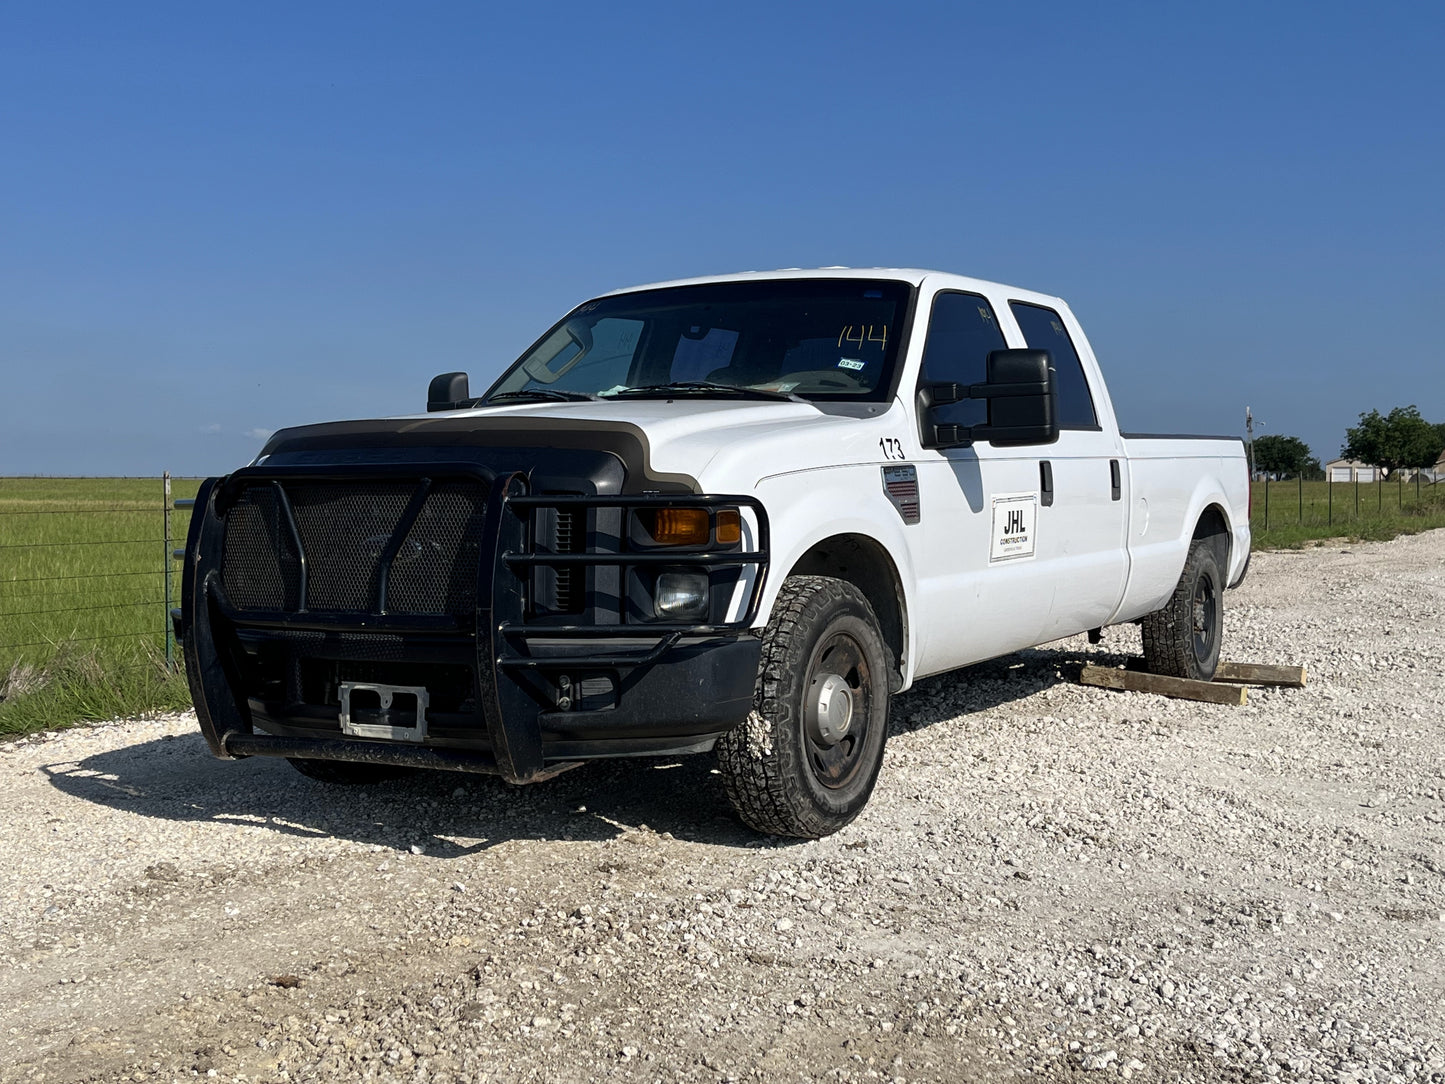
(1043, 330)
(961, 332)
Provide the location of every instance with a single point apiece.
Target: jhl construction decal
(1014, 516)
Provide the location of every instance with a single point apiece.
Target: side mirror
(449, 391)
(1022, 395)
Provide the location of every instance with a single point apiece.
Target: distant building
(1347, 470)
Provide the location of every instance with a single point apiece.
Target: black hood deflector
(612, 457)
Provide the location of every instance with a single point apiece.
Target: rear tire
(346, 773)
(1183, 638)
(805, 762)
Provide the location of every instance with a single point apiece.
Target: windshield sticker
(850, 363)
(1015, 516)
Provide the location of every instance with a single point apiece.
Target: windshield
(825, 339)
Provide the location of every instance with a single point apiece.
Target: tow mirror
(1022, 394)
(449, 391)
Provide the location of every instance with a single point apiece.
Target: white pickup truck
(732, 513)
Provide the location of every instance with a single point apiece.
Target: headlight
(681, 596)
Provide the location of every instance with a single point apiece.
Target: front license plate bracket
(388, 712)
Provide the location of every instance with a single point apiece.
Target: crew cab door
(1083, 531)
(980, 594)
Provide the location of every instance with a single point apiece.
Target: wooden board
(1107, 677)
(1256, 673)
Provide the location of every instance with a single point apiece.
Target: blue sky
(217, 220)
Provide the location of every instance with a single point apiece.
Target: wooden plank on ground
(1107, 677)
(1256, 673)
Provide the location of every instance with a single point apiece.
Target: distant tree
(1276, 454)
(1398, 439)
(1312, 470)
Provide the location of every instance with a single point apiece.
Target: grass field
(82, 599)
(1288, 514)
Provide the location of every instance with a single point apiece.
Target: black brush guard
(518, 737)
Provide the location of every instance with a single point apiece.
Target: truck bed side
(1174, 481)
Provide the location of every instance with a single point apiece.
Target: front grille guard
(501, 630)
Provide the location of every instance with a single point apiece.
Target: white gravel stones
(1051, 881)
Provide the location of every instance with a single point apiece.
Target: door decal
(1015, 516)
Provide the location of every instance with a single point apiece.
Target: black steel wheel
(1183, 638)
(345, 772)
(806, 761)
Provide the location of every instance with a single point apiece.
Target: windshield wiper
(704, 387)
(543, 393)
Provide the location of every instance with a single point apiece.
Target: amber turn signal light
(729, 527)
(678, 526)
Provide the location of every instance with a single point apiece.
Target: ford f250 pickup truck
(733, 513)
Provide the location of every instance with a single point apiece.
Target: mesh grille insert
(435, 570)
(345, 527)
(262, 570)
(344, 530)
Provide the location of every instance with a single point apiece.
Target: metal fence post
(1330, 489)
(1357, 494)
(170, 633)
(1266, 502)
(1301, 496)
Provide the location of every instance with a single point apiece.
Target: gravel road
(1052, 882)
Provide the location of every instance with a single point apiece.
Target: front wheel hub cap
(829, 709)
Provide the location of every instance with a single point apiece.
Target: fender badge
(901, 486)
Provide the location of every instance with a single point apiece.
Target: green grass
(82, 600)
(1292, 516)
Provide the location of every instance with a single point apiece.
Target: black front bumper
(512, 694)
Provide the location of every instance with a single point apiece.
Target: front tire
(1183, 638)
(805, 762)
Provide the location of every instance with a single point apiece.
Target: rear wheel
(1183, 638)
(805, 762)
(345, 772)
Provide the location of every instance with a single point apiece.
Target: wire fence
(87, 568)
(1294, 501)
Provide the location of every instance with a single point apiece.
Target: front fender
(807, 508)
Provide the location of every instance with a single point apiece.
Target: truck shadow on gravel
(451, 815)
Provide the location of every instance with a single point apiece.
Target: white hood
(723, 444)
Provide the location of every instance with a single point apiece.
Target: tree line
(1399, 440)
